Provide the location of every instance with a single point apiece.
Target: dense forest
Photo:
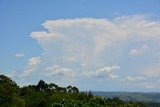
(52, 95)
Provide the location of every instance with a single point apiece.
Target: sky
(98, 45)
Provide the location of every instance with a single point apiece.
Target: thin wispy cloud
(19, 55)
(140, 51)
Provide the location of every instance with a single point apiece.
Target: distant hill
(131, 96)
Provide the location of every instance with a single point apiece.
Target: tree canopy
(52, 95)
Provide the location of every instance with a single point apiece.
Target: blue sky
(102, 45)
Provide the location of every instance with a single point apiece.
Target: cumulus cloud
(31, 66)
(56, 70)
(105, 72)
(34, 61)
(19, 55)
(136, 78)
(140, 51)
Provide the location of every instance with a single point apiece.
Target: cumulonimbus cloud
(78, 43)
(89, 35)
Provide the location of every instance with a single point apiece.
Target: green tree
(69, 89)
(9, 93)
(42, 86)
(75, 90)
(51, 95)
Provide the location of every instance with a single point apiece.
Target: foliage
(52, 95)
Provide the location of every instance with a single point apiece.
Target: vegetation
(52, 95)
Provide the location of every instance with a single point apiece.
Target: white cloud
(139, 27)
(90, 37)
(113, 76)
(152, 86)
(12, 74)
(34, 61)
(57, 70)
(19, 55)
(84, 43)
(140, 51)
(136, 78)
(86, 35)
(31, 66)
(105, 72)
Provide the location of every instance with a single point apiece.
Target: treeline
(52, 95)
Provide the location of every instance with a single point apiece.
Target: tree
(9, 92)
(7, 86)
(69, 89)
(75, 90)
(42, 86)
(27, 90)
(51, 95)
(52, 86)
